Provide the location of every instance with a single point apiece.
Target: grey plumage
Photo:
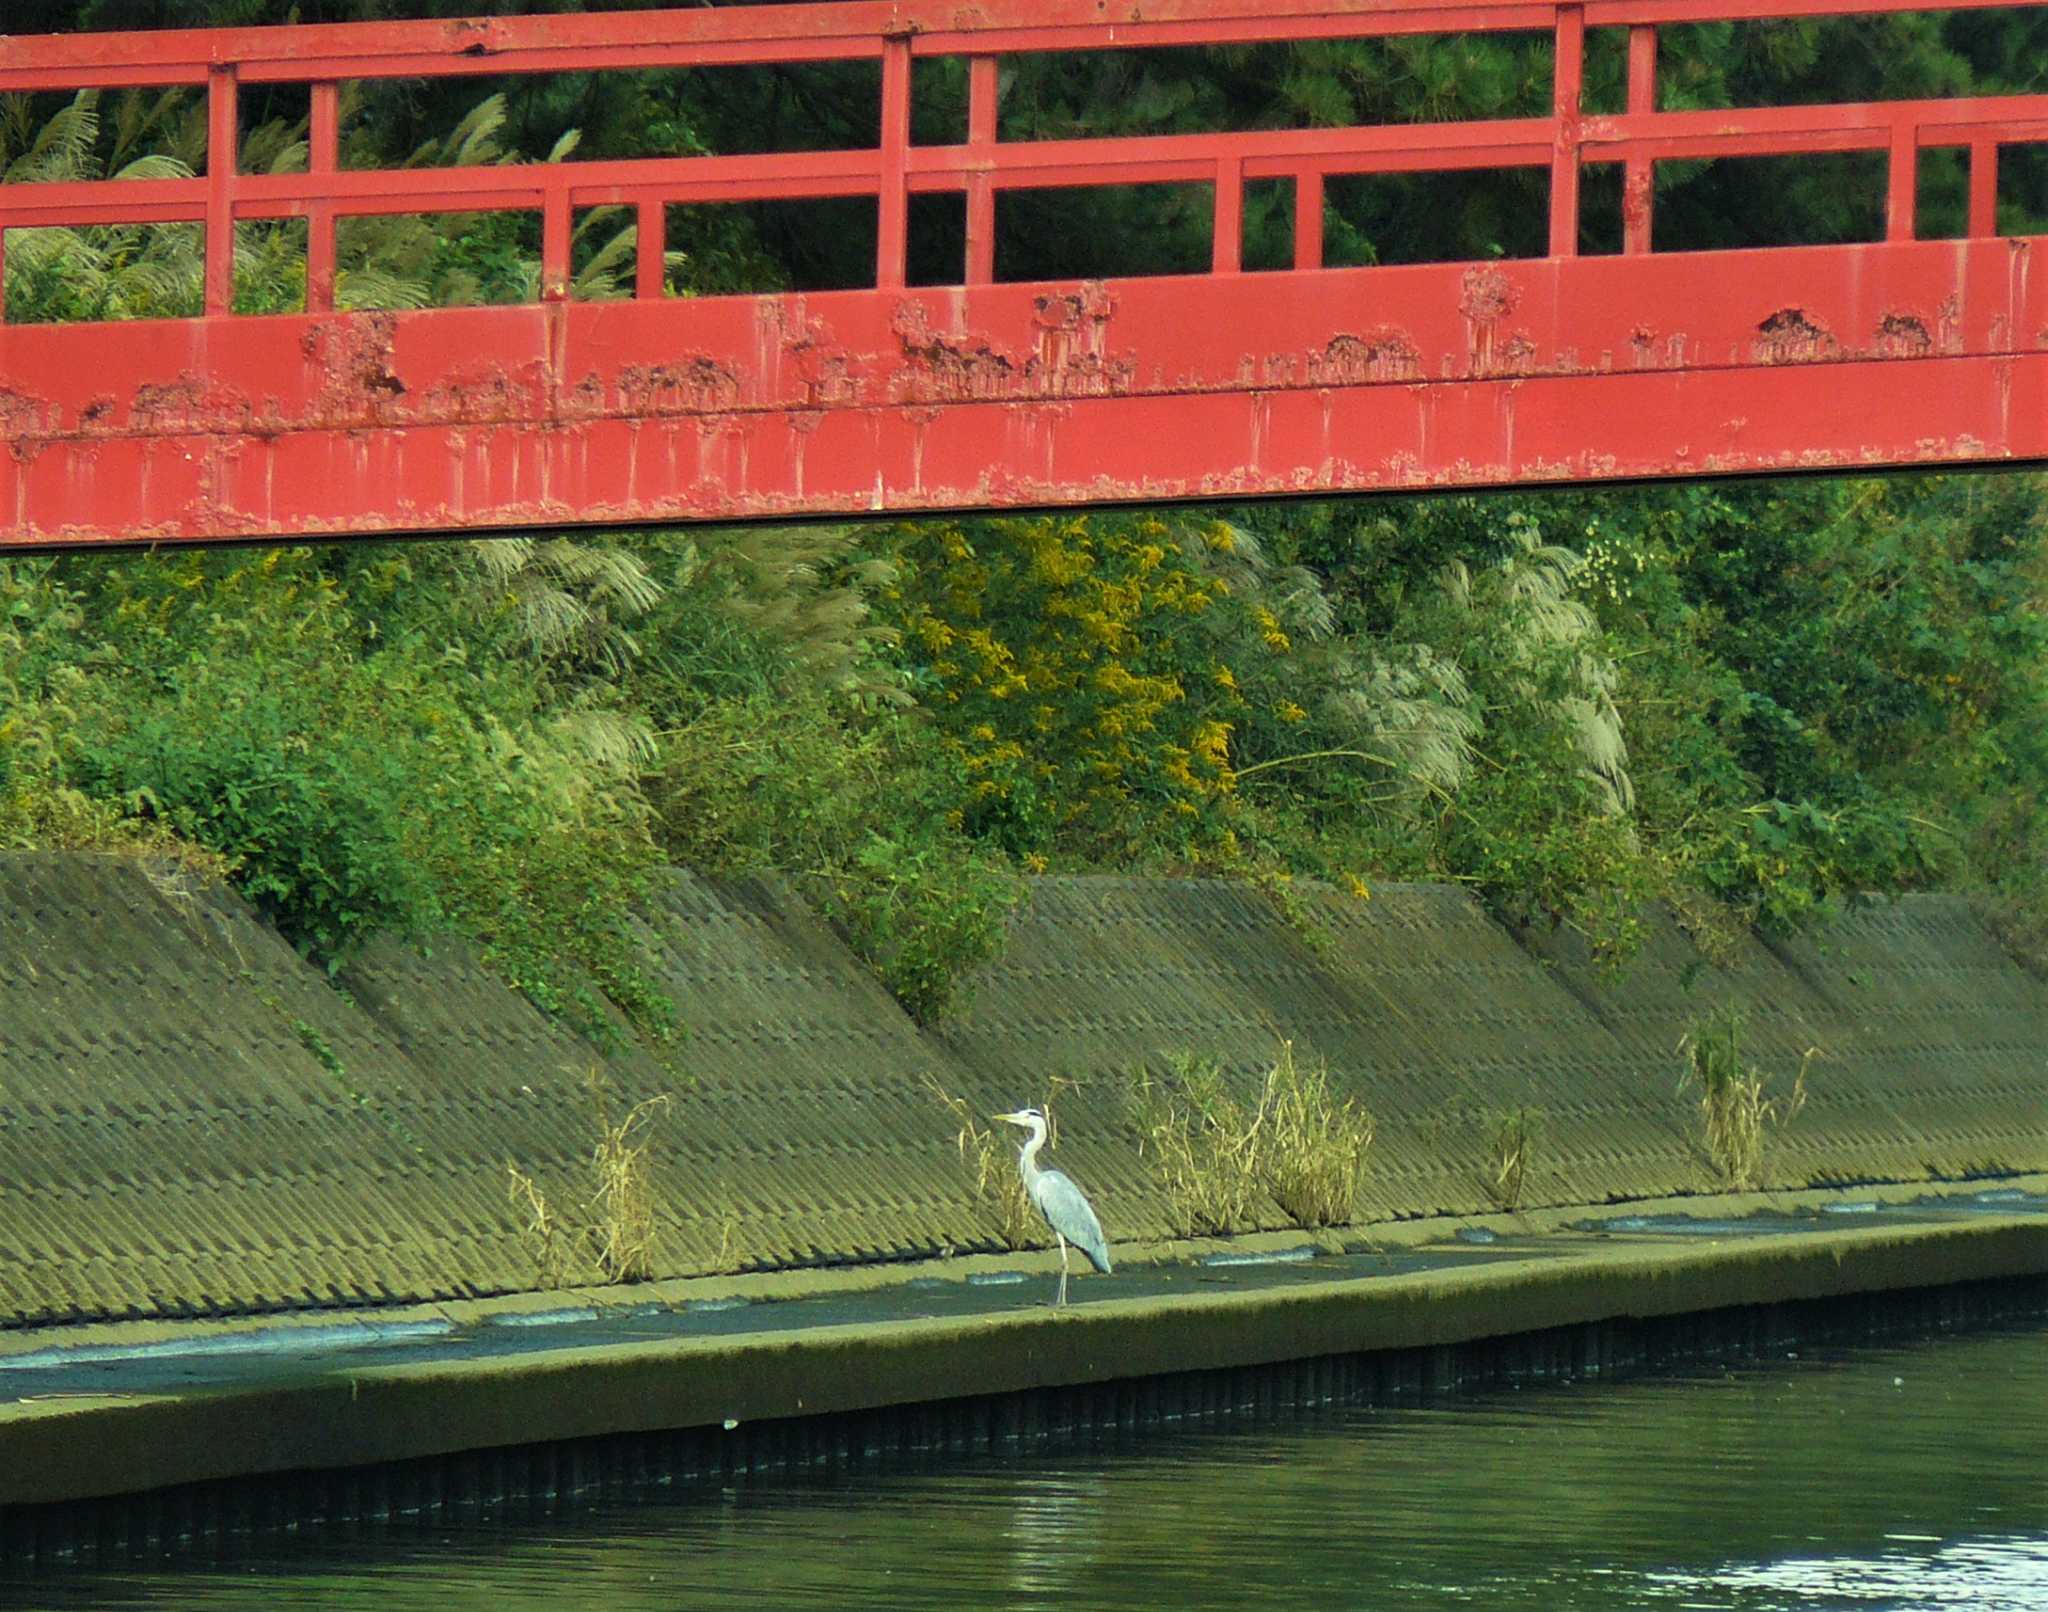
(1056, 1197)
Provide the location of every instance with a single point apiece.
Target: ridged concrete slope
(195, 1122)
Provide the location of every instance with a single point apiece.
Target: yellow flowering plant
(1092, 673)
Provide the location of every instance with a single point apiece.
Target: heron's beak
(1013, 1119)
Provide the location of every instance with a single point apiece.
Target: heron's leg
(1063, 1270)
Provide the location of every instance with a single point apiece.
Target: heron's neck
(1027, 1156)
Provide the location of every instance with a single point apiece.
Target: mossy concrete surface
(195, 1123)
(56, 1449)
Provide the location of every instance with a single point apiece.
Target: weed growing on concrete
(1735, 1114)
(543, 1229)
(1205, 1147)
(1511, 1141)
(1215, 1155)
(1316, 1147)
(994, 1162)
(615, 1223)
(623, 1228)
(728, 1256)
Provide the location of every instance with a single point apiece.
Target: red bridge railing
(897, 34)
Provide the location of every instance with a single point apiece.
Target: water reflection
(1986, 1575)
(1898, 1478)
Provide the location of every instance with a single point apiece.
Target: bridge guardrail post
(554, 243)
(1983, 188)
(1639, 176)
(1902, 192)
(892, 210)
(1308, 219)
(983, 85)
(323, 157)
(650, 250)
(222, 159)
(1226, 251)
(1568, 76)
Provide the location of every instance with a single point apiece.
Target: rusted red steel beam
(992, 396)
(1589, 369)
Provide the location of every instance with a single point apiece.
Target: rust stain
(1902, 335)
(823, 365)
(1071, 360)
(353, 353)
(584, 400)
(1073, 337)
(1347, 360)
(186, 405)
(1789, 336)
(1489, 296)
(482, 397)
(699, 385)
(940, 369)
(25, 421)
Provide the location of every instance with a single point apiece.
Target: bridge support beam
(1016, 396)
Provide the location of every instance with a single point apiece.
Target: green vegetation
(1756, 702)
(1512, 1135)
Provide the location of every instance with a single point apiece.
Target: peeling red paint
(352, 355)
(1489, 296)
(860, 402)
(1070, 358)
(988, 395)
(1903, 335)
(1789, 336)
(700, 385)
(1386, 355)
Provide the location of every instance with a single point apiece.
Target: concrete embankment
(195, 1122)
(198, 1130)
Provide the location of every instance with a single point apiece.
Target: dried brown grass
(1317, 1148)
(1736, 1115)
(543, 1229)
(1202, 1144)
(622, 1229)
(614, 1226)
(993, 1160)
(1510, 1146)
(1216, 1156)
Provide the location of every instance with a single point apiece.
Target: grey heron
(1057, 1199)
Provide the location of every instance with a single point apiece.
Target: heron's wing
(1067, 1212)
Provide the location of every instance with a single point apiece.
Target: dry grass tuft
(993, 1159)
(543, 1229)
(1316, 1147)
(1204, 1146)
(1735, 1114)
(623, 1227)
(615, 1224)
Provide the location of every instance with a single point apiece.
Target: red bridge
(981, 395)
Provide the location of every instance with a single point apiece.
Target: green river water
(1893, 1477)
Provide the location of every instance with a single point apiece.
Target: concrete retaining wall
(195, 1122)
